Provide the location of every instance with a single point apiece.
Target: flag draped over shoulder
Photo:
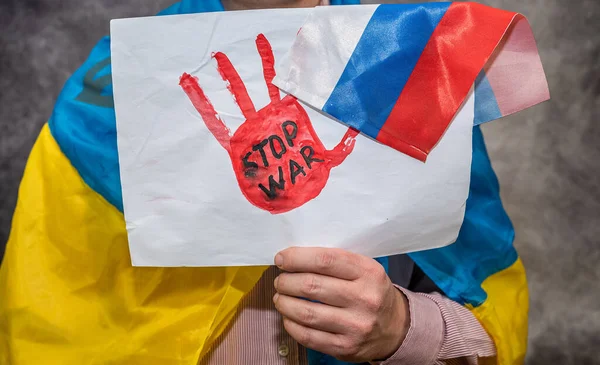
(68, 292)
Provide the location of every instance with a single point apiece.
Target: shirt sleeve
(441, 332)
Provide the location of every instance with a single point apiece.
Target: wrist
(399, 325)
(425, 335)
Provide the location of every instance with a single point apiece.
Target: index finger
(325, 261)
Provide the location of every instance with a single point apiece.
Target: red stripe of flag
(457, 50)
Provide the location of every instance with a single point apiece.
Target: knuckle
(304, 338)
(347, 348)
(378, 273)
(366, 327)
(325, 259)
(301, 335)
(310, 285)
(307, 315)
(373, 302)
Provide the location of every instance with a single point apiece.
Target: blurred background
(547, 158)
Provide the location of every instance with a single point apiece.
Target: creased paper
(191, 177)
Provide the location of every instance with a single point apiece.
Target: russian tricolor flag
(399, 73)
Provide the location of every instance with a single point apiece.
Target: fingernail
(275, 282)
(279, 260)
(275, 297)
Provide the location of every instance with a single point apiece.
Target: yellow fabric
(504, 313)
(69, 295)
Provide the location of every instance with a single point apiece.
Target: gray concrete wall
(547, 158)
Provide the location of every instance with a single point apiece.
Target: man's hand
(360, 316)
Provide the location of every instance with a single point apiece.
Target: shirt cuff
(425, 335)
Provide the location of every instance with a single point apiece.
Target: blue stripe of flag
(381, 63)
(344, 2)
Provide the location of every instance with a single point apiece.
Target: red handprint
(277, 157)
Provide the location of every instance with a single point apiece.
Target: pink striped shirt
(441, 332)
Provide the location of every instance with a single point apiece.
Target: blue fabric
(83, 124)
(381, 64)
(384, 262)
(486, 105)
(193, 6)
(318, 358)
(83, 121)
(484, 244)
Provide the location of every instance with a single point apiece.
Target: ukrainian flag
(68, 292)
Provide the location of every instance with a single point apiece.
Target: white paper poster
(220, 169)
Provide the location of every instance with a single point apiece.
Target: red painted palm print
(278, 159)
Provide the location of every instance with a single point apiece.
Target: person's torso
(257, 334)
